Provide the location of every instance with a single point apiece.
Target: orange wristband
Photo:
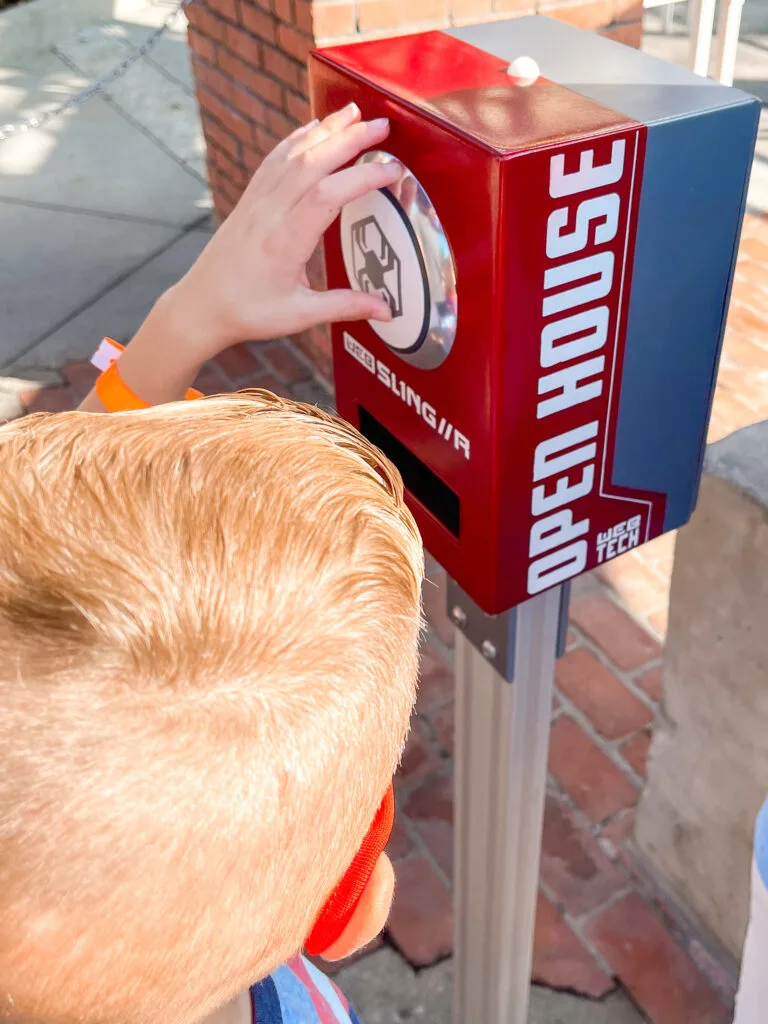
(114, 394)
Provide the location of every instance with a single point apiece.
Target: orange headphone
(340, 906)
(116, 396)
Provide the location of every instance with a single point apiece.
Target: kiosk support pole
(502, 740)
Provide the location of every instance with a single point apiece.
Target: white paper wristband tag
(106, 354)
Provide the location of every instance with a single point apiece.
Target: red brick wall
(249, 62)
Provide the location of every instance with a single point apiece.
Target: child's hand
(250, 282)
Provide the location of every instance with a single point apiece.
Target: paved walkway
(107, 207)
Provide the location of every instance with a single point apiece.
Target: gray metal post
(502, 740)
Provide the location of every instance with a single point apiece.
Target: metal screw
(489, 650)
(458, 615)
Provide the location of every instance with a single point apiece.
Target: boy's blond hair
(209, 617)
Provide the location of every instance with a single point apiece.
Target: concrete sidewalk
(386, 991)
(104, 206)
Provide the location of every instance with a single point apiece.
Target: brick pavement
(600, 922)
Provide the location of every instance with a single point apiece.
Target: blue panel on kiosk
(676, 312)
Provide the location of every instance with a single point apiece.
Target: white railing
(701, 20)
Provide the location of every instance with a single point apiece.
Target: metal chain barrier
(97, 86)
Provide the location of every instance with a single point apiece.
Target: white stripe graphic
(619, 321)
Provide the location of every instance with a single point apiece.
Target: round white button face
(393, 245)
(382, 256)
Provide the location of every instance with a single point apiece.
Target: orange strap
(114, 394)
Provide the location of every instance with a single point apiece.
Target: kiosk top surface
(634, 83)
(588, 84)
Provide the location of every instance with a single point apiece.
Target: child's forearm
(161, 362)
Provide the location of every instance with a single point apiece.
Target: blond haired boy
(209, 619)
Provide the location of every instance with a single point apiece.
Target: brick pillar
(249, 62)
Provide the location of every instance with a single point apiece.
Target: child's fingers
(330, 125)
(311, 134)
(305, 170)
(341, 306)
(273, 166)
(320, 207)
